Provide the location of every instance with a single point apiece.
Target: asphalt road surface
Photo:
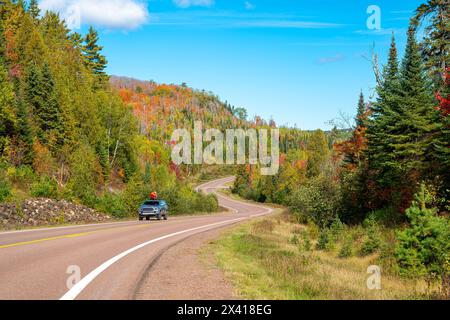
(102, 261)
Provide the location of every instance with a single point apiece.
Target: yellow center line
(44, 240)
(68, 236)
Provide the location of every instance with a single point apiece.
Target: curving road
(106, 261)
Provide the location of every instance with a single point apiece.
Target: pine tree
(7, 103)
(33, 9)
(3, 11)
(51, 113)
(20, 4)
(401, 128)
(442, 141)
(25, 132)
(42, 97)
(77, 40)
(318, 153)
(361, 111)
(411, 139)
(435, 47)
(384, 116)
(95, 61)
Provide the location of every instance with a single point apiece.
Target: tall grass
(263, 262)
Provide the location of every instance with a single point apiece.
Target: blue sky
(300, 62)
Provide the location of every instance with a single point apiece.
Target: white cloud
(327, 60)
(249, 5)
(113, 14)
(287, 24)
(381, 32)
(192, 3)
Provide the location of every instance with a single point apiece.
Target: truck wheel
(165, 217)
(159, 217)
(140, 218)
(148, 218)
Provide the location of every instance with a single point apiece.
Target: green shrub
(387, 216)
(85, 173)
(212, 203)
(184, 200)
(336, 229)
(318, 200)
(294, 240)
(313, 230)
(347, 247)
(134, 195)
(205, 203)
(324, 241)
(180, 200)
(306, 241)
(424, 247)
(112, 204)
(45, 187)
(5, 189)
(373, 240)
(23, 175)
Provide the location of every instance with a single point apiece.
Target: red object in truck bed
(153, 196)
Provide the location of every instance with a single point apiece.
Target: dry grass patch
(263, 262)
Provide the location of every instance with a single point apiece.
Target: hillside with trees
(70, 131)
(67, 133)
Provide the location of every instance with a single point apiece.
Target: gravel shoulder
(195, 276)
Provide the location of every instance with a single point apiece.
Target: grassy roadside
(271, 259)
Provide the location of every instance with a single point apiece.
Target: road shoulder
(195, 277)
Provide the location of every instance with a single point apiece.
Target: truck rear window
(151, 203)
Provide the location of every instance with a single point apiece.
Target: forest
(391, 175)
(70, 131)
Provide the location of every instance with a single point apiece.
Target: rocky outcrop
(45, 212)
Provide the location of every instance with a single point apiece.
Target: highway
(101, 261)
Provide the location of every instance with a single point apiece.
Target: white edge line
(76, 290)
(73, 293)
(227, 179)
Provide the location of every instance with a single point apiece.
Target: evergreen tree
(436, 44)
(95, 61)
(7, 104)
(20, 4)
(77, 40)
(442, 141)
(42, 97)
(25, 132)
(384, 116)
(401, 129)
(2, 35)
(50, 113)
(361, 111)
(411, 139)
(33, 9)
(318, 153)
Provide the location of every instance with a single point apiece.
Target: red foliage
(176, 169)
(352, 149)
(444, 102)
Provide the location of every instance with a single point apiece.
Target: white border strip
(76, 290)
(73, 293)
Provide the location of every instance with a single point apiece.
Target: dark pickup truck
(154, 209)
